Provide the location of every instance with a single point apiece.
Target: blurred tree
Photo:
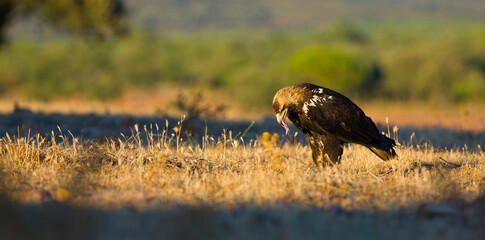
(88, 17)
(6, 8)
(338, 70)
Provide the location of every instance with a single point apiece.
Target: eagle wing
(327, 112)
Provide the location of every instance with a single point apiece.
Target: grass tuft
(227, 172)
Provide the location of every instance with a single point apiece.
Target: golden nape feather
(329, 119)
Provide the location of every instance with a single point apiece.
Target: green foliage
(89, 17)
(393, 63)
(442, 68)
(470, 87)
(331, 68)
(425, 72)
(57, 69)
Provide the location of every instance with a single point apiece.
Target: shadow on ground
(24, 123)
(56, 221)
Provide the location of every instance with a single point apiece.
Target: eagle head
(283, 100)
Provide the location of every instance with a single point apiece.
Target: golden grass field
(227, 172)
(158, 183)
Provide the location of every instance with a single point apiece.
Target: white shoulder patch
(315, 100)
(305, 108)
(318, 90)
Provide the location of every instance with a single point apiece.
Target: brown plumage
(329, 119)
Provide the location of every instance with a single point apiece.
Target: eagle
(329, 120)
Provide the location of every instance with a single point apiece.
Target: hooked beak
(281, 117)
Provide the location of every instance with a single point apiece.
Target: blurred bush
(332, 68)
(98, 18)
(445, 68)
(371, 62)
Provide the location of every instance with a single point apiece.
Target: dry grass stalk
(226, 172)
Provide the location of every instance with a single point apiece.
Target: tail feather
(385, 150)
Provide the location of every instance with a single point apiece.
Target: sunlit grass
(226, 172)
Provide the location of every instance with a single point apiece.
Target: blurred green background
(419, 50)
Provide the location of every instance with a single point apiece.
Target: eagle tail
(385, 150)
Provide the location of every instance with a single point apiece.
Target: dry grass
(226, 172)
(154, 184)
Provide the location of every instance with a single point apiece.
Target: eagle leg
(326, 150)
